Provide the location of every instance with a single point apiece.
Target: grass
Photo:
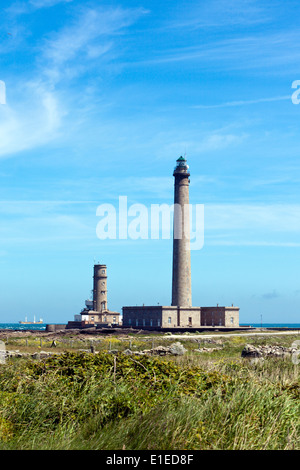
(205, 401)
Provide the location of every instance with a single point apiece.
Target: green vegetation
(209, 400)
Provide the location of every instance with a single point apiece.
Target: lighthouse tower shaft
(100, 288)
(181, 281)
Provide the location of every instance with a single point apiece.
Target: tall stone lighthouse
(181, 314)
(100, 288)
(181, 280)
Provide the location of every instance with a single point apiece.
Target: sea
(272, 325)
(19, 326)
(42, 326)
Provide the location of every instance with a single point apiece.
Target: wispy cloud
(251, 243)
(34, 121)
(273, 217)
(221, 13)
(243, 102)
(201, 142)
(47, 3)
(45, 221)
(35, 114)
(260, 51)
(91, 35)
(265, 225)
(21, 7)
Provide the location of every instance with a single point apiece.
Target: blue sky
(101, 99)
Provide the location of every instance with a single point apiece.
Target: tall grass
(101, 401)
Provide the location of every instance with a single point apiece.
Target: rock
(175, 349)
(201, 350)
(36, 355)
(251, 351)
(128, 352)
(265, 351)
(159, 351)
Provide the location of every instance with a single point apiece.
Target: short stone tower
(181, 281)
(100, 288)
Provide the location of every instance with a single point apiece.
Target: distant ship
(31, 322)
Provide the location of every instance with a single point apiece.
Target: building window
(103, 292)
(158, 322)
(151, 322)
(129, 321)
(114, 319)
(136, 322)
(103, 271)
(169, 320)
(144, 322)
(104, 318)
(231, 320)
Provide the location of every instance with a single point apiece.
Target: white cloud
(201, 143)
(32, 122)
(21, 8)
(262, 50)
(90, 36)
(221, 13)
(46, 3)
(44, 221)
(248, 242)
(243, 102)
(266, 225)
(271, 217)
(34, 113)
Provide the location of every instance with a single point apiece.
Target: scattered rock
(35, 355)
(212, 341)
(266, 351)
(175, 349)
(127, 352)
(201, 350)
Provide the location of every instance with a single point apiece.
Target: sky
(98, 100)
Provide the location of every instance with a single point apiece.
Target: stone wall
(161, 316)
(220, 316)
(232, 317)
(180, 317)
(143, 316)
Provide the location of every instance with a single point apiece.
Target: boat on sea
(31, 322)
